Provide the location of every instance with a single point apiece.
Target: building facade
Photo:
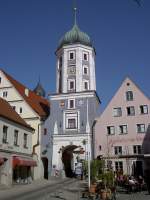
(33, 108)
(121, 132)
(16, 162)
(75, 104)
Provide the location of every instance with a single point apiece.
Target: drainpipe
(38, 138)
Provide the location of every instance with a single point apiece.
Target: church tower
(75, 104)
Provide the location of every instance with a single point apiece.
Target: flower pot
(103, 194)
(92, 188)
(108, 194)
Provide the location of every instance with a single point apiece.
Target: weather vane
(75, 11)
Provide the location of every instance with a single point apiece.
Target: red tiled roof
(6, 111)
(38, 104)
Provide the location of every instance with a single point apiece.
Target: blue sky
(120, 30)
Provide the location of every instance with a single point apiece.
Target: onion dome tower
(39, 89)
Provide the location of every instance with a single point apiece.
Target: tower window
(129, 96)
(85, 56)
(71, 84)
(86, 85)
(71, 55)
(85, 70)
(71, 121)
(71, 103)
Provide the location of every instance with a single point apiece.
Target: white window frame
(69, 55)
(85, 67)
(5, 94)
(137, 148)
(129, 96)
(87, 55)
(118, 150)
(123, 129)
(143, 109)
(86, 82)
(141, 128)
(69, 81)
(110, 130)
(131, 108)
(117, 112)
(69, 103)
(71, 116)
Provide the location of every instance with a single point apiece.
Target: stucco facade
(35, 119)
(121, 130)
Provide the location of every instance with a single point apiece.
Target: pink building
(121, 132)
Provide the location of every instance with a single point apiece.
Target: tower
(75, 104)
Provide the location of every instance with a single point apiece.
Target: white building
(16, 162)
(33, 108)
(122, 131)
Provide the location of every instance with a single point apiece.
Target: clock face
(71, 70)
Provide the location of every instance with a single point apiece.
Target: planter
(92, 188)
(108, 194)
(103, 194)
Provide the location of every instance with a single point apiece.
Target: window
(20, 110)
(71, 103)
(144, 109)
(137, 149)
(0, 79)
(71, 121)
(71, 84)
(85, 56)
(123, 129)
(141, 128)
(5, 94)
(71, 55)
(130, 111)
(119, 166)
(110, 130)
(86, 85)
(5, 131)
(45, 131)
(25, 136)
(117, 112)
(118, 150)
(85, 70)
(129, 96)
(16, 137)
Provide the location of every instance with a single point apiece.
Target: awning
(1, 160)
(19, 161)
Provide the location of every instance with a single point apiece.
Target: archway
(67, 159)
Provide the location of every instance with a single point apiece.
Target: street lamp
(88, 141)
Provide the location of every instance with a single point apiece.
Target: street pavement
(58, 189)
